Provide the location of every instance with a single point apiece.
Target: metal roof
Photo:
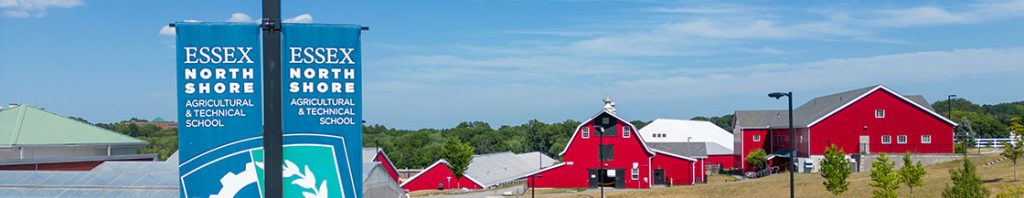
(493, 169)
(719, 140)
(110, 179)
(26, 125)
(686, 149)
(819, 108)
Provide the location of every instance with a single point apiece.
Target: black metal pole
(792, 147)
(600, 157)
(272, 134)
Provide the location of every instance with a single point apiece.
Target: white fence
(993, 142)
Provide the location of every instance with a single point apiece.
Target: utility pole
(272, 134)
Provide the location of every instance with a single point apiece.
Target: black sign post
(272, 145)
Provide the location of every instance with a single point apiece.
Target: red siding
(678, 171)
(901, 118)
(384, 162)
(582, 152)
(430, 178)
(750, 145)
(727, 161)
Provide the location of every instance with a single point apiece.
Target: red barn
(867, 120)
(628, 161)
(439, 176)
(378, 155)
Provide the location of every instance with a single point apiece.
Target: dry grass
(996, 178)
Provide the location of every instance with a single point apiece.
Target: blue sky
(434, 64)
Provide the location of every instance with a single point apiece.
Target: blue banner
(322, 110)
(219, 109)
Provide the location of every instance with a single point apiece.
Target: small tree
(758, 158)
(835, 169)
(459, 155)
(883, 178)
(1013, 152)
(912, 175)
(966, 183)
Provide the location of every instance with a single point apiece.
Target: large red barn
(868, 120)
(628, 161)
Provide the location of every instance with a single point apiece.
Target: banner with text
(322, 110)
(219, 109)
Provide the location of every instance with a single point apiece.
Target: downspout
(108, 150)
(21, 152)
(692, 176)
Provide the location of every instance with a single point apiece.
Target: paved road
(483, 194)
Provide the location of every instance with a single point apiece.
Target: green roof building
(34, 139)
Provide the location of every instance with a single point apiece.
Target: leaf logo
(306, 179)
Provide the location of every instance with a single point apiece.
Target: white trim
(586, 133)
(905, 139)
(573, 137)
(891, 92)
(392, 164)
(929, 139)
(884, 137)
(432, 167)
(879, 110)
(625, 133)
(423, 171)
(544, 169)
(674, 155)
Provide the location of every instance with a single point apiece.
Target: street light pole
(600, 158)
(792, 139)
(272, 139)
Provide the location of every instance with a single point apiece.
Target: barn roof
(26, 125)
(495, 168)
(685, 149)
(110, 179)
(819, 108)
(572, 138)
(719, 140)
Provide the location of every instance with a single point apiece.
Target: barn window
(607, 152)
(879, 113)
(626, 131)
(757, 138)
(901, 139)
(586, 132)
(926, 139)
(886, 139)
(636, 173)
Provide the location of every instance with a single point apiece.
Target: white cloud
(933, 15)
(240, 17)
(167, 30)
(304, 18)
(34, 8)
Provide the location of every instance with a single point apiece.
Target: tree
(966, 183)
(883, 178)
(835, 170)
(911, 175)
(459, 155)
(1015, 150)
(758, 158)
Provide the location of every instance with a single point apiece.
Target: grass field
(996, 178)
